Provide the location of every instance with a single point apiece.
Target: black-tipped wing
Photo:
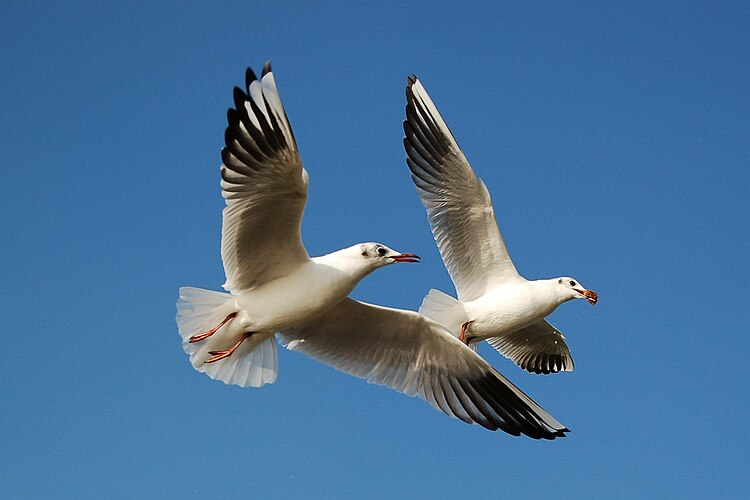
(538, 348)
(414, 355)
(458, 204)
(264, 186)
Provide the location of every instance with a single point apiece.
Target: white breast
(291, 300)
(508, 308)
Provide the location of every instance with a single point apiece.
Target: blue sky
(613, 138)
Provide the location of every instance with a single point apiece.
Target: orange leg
(465, 327)
(205, 335)
(217, 355)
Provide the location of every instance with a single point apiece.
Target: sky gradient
(613, 139)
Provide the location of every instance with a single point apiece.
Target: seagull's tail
(253, 364)
(446, 310)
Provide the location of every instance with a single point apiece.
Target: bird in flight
(275, 290)
(494, 303)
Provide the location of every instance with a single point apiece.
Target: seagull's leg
(465, 327)
(205, 335)
(217, 355)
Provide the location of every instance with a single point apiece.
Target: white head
(569, 288)
(377, 255)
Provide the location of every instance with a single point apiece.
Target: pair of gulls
(277, 290)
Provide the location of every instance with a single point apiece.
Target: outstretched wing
(264, 186)
(537, 348)
(414, 355)
(458, 204)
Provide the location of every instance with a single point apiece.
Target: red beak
(406, 257)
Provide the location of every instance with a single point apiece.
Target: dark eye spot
(560, 280)
(572, 283)
(382, 251)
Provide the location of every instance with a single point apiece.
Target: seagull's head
(572, 289)
(377, 255)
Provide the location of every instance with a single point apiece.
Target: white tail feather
(444, 309)
(253, 364)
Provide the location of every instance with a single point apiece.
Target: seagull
(494, 302)
(275, 290)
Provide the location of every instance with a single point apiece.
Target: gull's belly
(294, 299)
(493, 316)
(499, 322)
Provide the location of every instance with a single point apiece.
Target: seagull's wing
(264, 186)
(415, 355)
(458, 204)
(537, 348)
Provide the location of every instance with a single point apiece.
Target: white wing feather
(264, 186)
(458, 204)
(537, 348)
(412, 354)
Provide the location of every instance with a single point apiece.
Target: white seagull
(494, 303)
(276, 289)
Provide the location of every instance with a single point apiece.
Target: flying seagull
(277, 290)
(494, 303)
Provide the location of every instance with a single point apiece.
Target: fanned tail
(444, 309)
(253, 364)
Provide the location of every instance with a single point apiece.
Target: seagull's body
(277, 290)
(495, 303)
(302, 295)
(522, 303)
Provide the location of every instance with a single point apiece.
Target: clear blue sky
(614, 139)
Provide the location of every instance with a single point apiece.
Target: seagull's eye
(572, 283)
(382, 251)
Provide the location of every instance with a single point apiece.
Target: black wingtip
(249, 77)
(239, 97)
(559, 434)
(266, 68)
(228, 135)
(562, 432)
(411, 80)
(232, 118)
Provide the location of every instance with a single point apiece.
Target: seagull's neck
(346, 261)
(547, 292)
